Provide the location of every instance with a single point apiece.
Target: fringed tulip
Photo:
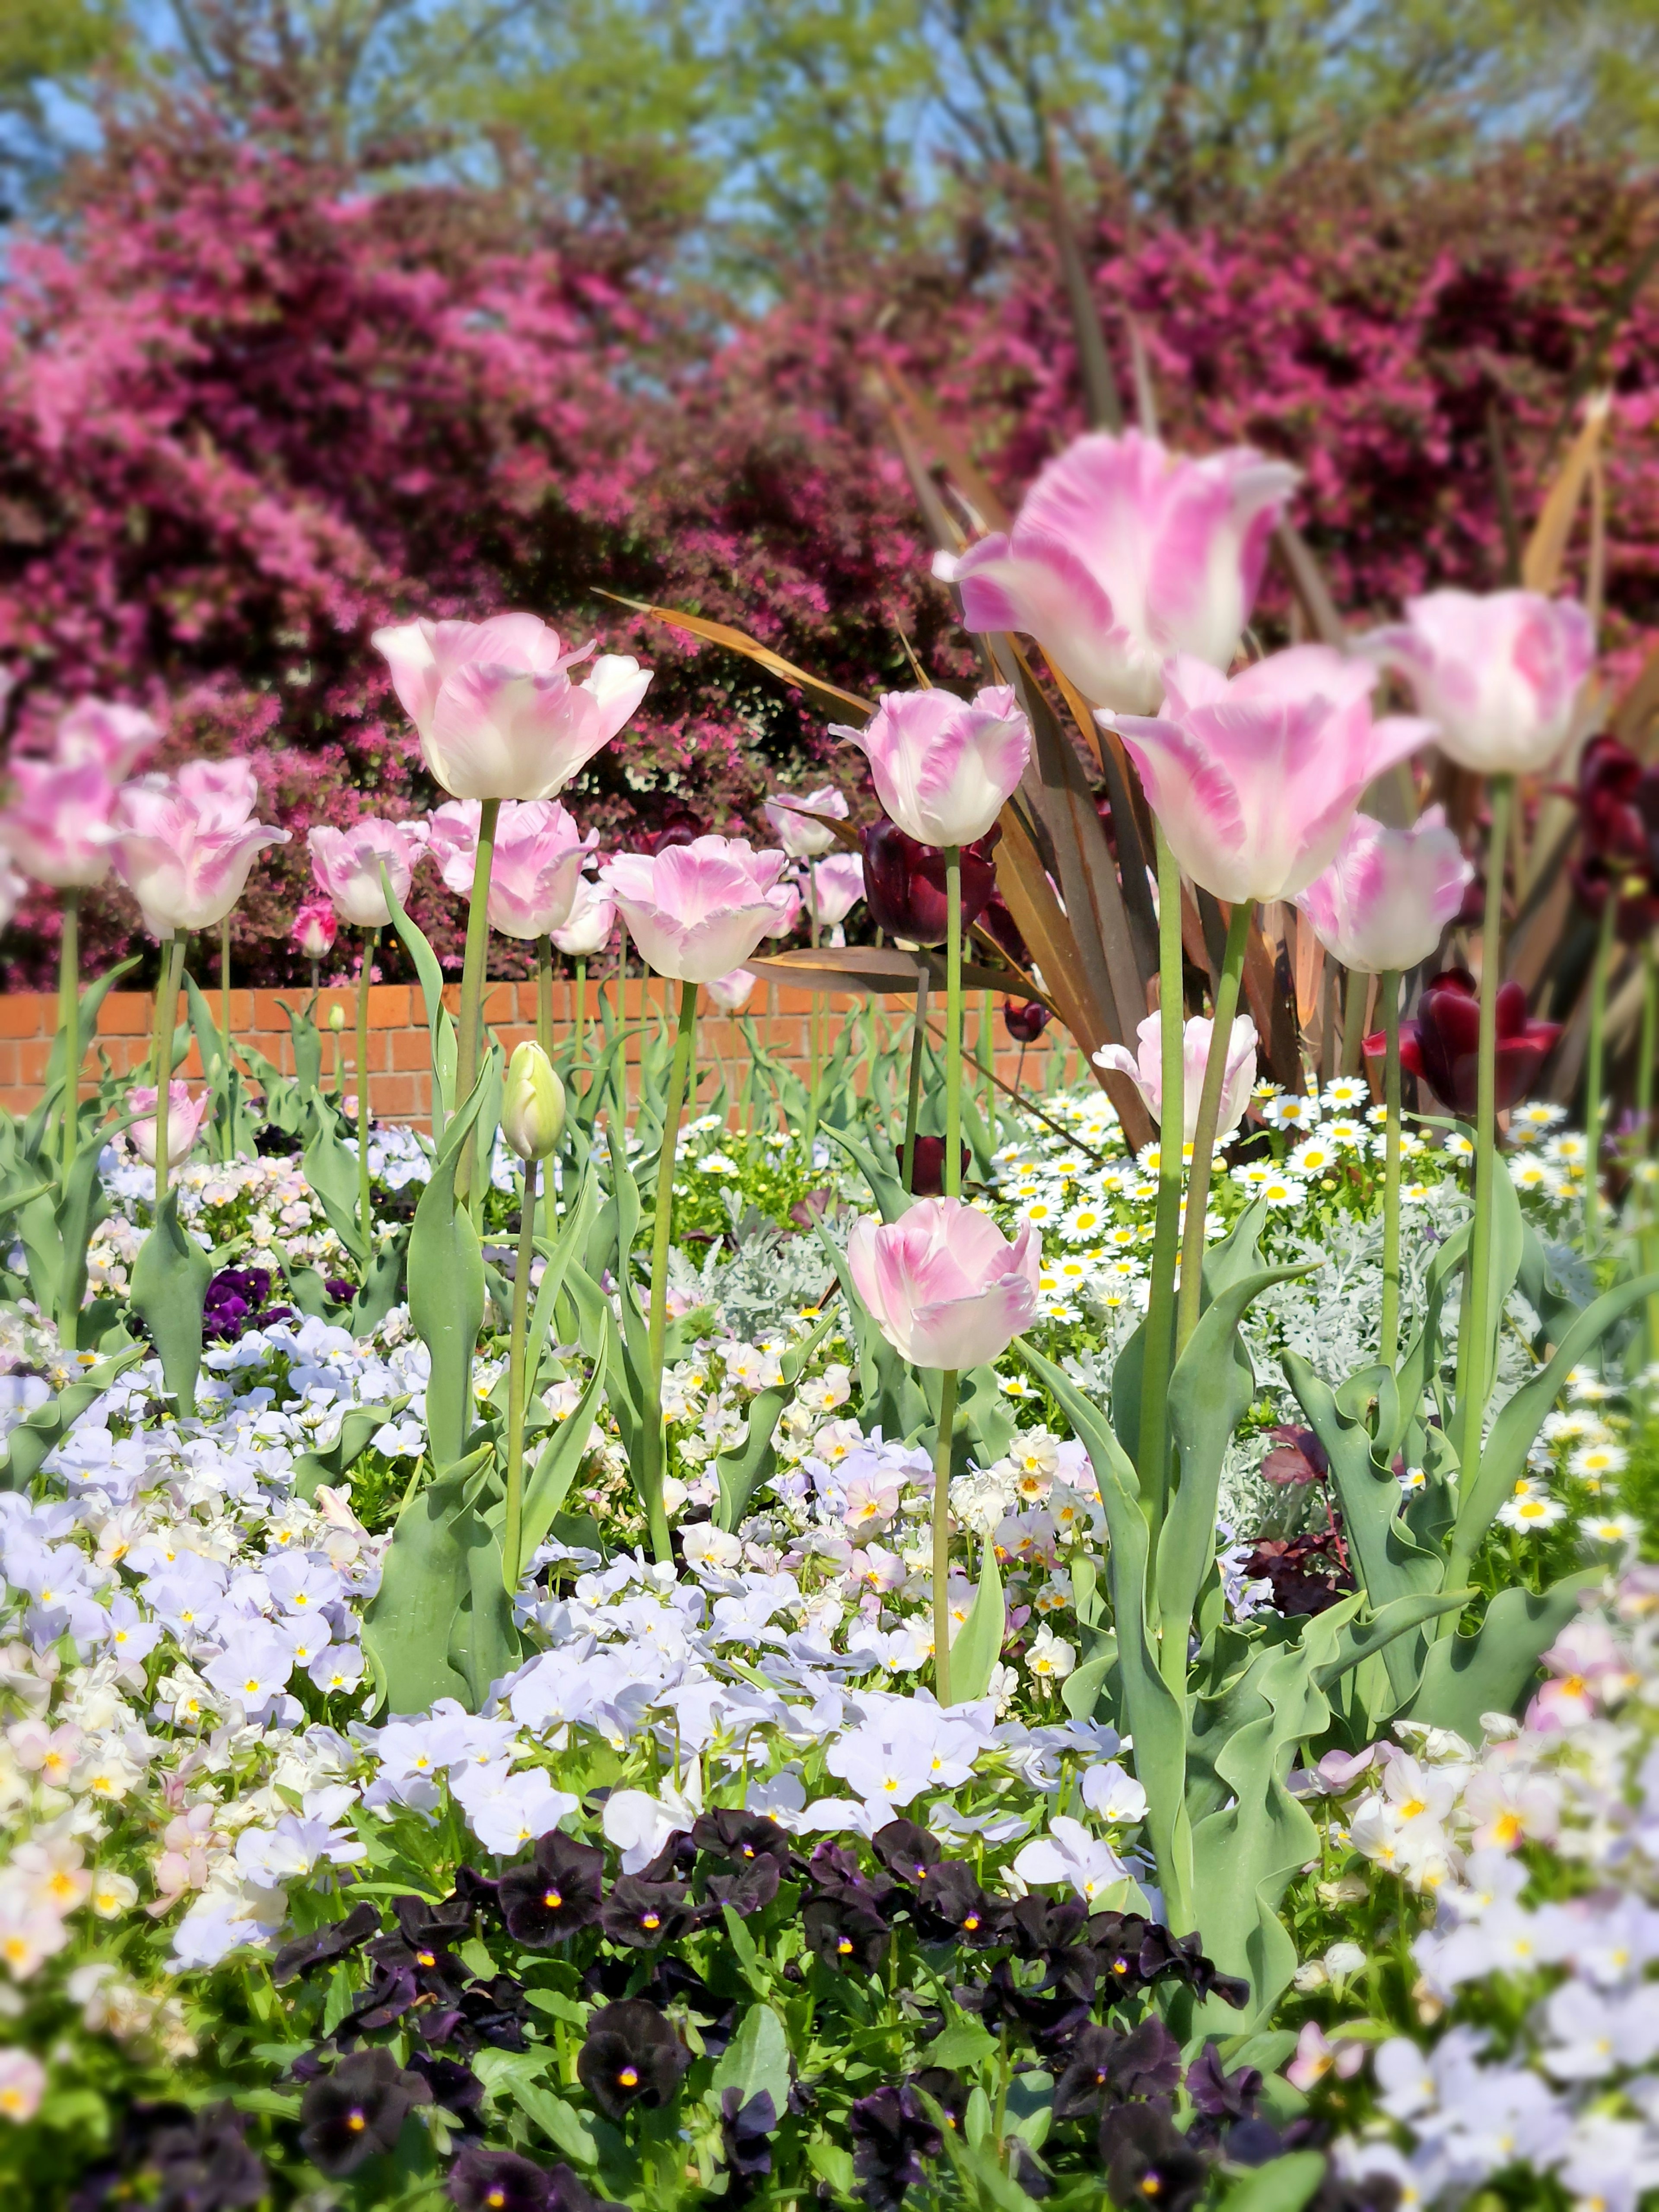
(315, 927)
(943, 767)
(106, 735)
(496, 710)
(1124, 555)
(944, 1285)
(184, 849)
(346, 863)
(1254, 780)
(540, 853)
(838, 887)
(1497, 673)
(593, 917)
(185, 1117)
(698, 911)
(1146, 1069)
(1443, 1044)
(58, 825)
(732, 993)
(1386, 898)
(800, 823)
(904, 884)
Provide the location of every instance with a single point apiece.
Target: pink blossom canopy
(1124, 555)
(697, 911)
(1498, 673)
(184, 849)
(943, 767)
(346, 863)
(537, 863)
(944, 1285)
(1386, 898)
(1146, 1069)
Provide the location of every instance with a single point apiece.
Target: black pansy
(906, 1850)
(632, 2056)
(645, 1913)
(730, 1833)
(1147, 2162)
(427, 1924)
(1148, 2061)
(453, 2086)
(493, 2012)
(554, 1895)
(746, 2130)
(847, 1931)
(324, 1944)
(1218, 2094)
(498, 2181)
(204, 2165)
(891, 2135)
(357, 2110)
(1086, 2083)
(748, 1889)
(950, 1906)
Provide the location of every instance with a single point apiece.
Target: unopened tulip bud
(336, 1018)
(532, 1103)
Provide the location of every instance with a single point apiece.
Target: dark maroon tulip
(1443, 1045)
(1595, 878)
(999, 926)
(927, 1171)
(676, 825)
(1618, 816)
(904, 883)
(1025, 1019)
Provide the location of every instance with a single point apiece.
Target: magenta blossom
(799, 821)
(58, 826)
(540, 853)
(106, 734)
(944, 1285)
(184, 849)
(943, 767)
(1146, 1069)
(697, 911)
(593, 917)
(185, 1118)
(346, 863)
(1498, 673)
(315, 927)
(498, 714)
(1255, 780)
(1124, 555)
(1385, 898)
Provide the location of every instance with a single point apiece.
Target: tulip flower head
(1388, 895)
(537, 865)
(1441, 1045)
(838, 887)
(800, 822)
(1498, 673)
(943, 767)
(1146, 1069)
(185, 1118)
(496, 707)
(184, 849)
(532, 1103)
(315, 927)
(904, 883)
(1025, 1019)
(732, 993)
(1254, 780)
(1124, 555)
(1618, 827)
(58, 827)
(106, 735)
(944, 1285)
(699, 910)
(346, 863)
(587, 928)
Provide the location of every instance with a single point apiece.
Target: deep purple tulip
(905, 887)
(927, 1170)
(1443, 1044)
(1025, 1019)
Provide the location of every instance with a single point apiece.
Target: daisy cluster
(1574, 1471)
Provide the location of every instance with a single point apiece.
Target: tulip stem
(1209, 1115)
(468, 1045)
(580, 1043)
(1388, 1341)
(658, 1331)
(1479, 1383)
(512, 1525)
(364, 1209)
(1596, 1071)
(913, 1101)
(1649, 1046)
(947, 1421)
(985, 1053)
(1159, 1337)
(815, 1030)
(953, 1022)
(167, 1008)
(1353, 1021)
(69, 1020)
(544, 994)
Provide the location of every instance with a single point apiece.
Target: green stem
(581, 1012)
(1596, 1071)
(947, 1421)
(1649, 1046)
(953, 1022)
(1388, 1342)
(985, 1052)
(513, 1527)
(468, 1044)
(365, 1208)
(166, 1009)
(1159, 1339)
(815, 1022)
(661, 1229)
(1479, 1383)
(69, 1020)
(224, 990)
(1209, 1113)
(544, 994)
(1353, 1021)
(913, 1101)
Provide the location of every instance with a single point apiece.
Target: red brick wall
(400, 1081)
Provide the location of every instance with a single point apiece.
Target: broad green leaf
(439, 1026)
(425, 1579)
(446, 1292)
(169, 1289)
(333, 1461)
(889, 1192)
(1284, 2185)
(1492, 1671)
(978, 1645)
(382, 1286)
(561, 1458)
(756, 2059)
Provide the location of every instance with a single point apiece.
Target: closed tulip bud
(336, 1018)
(532, 1103)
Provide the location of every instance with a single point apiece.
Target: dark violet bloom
(846, 1931)
(746, 1838)
(645, 1913)
(548, 1900)
(950, 1906)
(235, 1302)
(632, 2056)
(904, 883)
(453, 2086)
(1147, 2162)
(891, 2137)
(1441, 1045)
(357, 2111)
(1025, 1019)
(908, 1852)
(1218, 2094)
(746, 2130)
(194, 2163)
(927, 1169)
(333, 1940)
(498, 2181)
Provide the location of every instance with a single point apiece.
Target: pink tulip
(1254, 780)
(496, 711)
(1146, 1069)
(346, 863)
(57, 827)
(106, 734)
(1497, 673)
(944, 1285)
(592, 919)
(315, 927)
(1385, 898)
(540, 853)
(184, 849)
(798, 822)
(185, 1117)
(943, 767)
(1124, 555)
(732, 993)
(698, 911)
(837, 885)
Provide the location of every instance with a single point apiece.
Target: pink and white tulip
(944, 1285)
(496, 710)
(57, 827)
(1498, 673)
(1146, 1069)
(185, 1117)
(943, 767)
(1386, 898)
(346, 863)
(837, 886)
(798, 820)
(538, 865)
(184, 849)
(697, 911)
(587, 928)
(1254, 780)
(315, 927)
(732, 993)
(105, 734)
(1124, 555)
(12, 890)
